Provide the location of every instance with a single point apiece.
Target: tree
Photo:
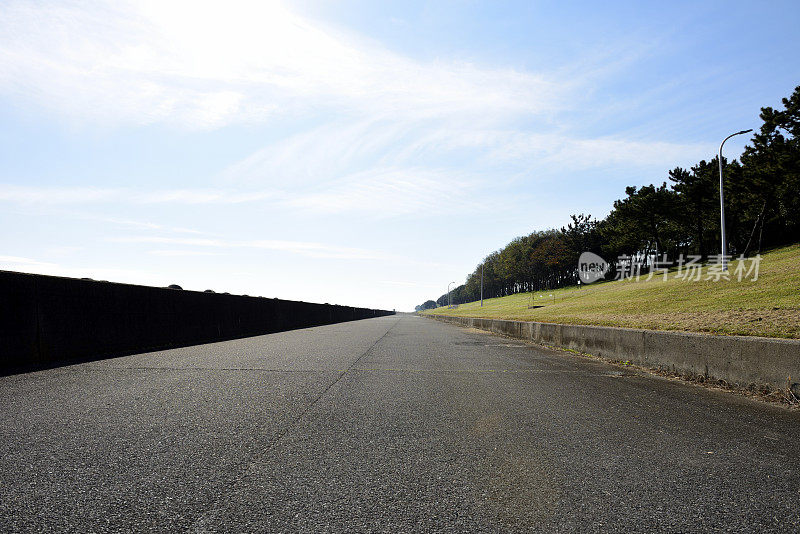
(427, 305)
(645, 223)
(772, 174)
(698, 202)
(762, 209)
(553, 259)
(581, 235)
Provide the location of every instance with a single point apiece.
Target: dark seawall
(48, 320)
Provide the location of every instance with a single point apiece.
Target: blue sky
(355, 152)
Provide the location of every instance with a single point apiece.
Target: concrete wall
(48, 319)
(736, 359)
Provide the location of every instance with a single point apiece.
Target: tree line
(678, 217)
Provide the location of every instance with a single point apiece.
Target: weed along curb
(738, 360)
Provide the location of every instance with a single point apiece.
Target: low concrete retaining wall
(738, 360)
(49, 319)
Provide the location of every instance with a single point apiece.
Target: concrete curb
(738, 360)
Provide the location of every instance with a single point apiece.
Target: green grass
(769, 306)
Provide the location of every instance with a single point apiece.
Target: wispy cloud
(392, 192)
(404, 283)
(574, 153)
(310, 249)
(384, 191)
(56, 195)
(131, 223)
(182, 253)
(237, 61)
(34, 266)
(392, 135)
(407, 166)
(65, 250)
(19, 263)
(143, 225)
(48, 195)
(189, 196)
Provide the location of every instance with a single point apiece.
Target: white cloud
(572, 153)
(49, 195)
(385, 191)
(419, 166)
(392, 192)
(404, 283)
(320, 153)
(200, 196)
(394, 136)
(55, 195)
(207, 64)
(65, 250)
(30, 265)
(182, 253)
(309, 249)
(131, 223)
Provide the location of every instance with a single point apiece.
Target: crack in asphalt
(202, 522)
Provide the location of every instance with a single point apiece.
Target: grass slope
(769, 306)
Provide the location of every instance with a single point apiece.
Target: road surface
(392, 424)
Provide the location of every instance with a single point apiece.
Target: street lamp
(481, 285)
(724, 259)
(449, 301)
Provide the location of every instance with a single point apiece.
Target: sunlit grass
(769, 306)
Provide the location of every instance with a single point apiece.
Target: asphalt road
(393, 424)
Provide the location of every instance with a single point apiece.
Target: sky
(354, 152)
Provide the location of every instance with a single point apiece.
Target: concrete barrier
(738, 360)
(45, 320)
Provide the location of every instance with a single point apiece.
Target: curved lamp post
(449, 301)
(724, 258)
